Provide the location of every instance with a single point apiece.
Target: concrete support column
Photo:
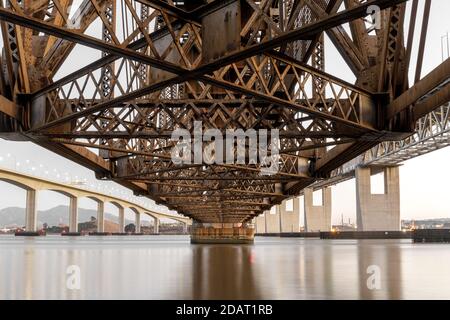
(317, 218)
(101, 216)
(185, 228)
(378, 212)
(272, 221)
(260, 223)
(156, 226)
(31, 211)
(289, 220)
(121, 220)
(138, 222)
(73, 215)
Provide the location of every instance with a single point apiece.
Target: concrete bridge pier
(225, 233)
(156, 226)
(289, 219)
(378, 212)
(185, 228)
(31, 211)
(272, 221)
(121, 220)
(260, 223)
(317, 218)
(137, 216)
(73, 214)
(100, 216)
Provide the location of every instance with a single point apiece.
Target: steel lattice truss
(432, 133)
(236, 64)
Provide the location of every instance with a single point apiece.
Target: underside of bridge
(223, 65)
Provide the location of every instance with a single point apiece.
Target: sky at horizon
(423, 181)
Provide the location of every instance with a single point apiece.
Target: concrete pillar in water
(100, 216)
(31, 211)
(317, 218)
(272, 218)
(121, 220)
(289, 218)
(232, 233)
(138, 222)
(378, 212)
(156, 226)
(260, 223)
(73, 214)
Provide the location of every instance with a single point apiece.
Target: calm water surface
(169, 267)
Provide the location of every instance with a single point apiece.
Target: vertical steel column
(143, 68)
(108, 71)
(318, 62)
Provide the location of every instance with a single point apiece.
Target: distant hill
(14, 216)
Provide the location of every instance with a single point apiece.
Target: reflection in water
(223, 272)
(168, 267)
(388, 259)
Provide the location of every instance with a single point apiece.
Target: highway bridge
(33, 184)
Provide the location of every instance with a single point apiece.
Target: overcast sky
(423, 181)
